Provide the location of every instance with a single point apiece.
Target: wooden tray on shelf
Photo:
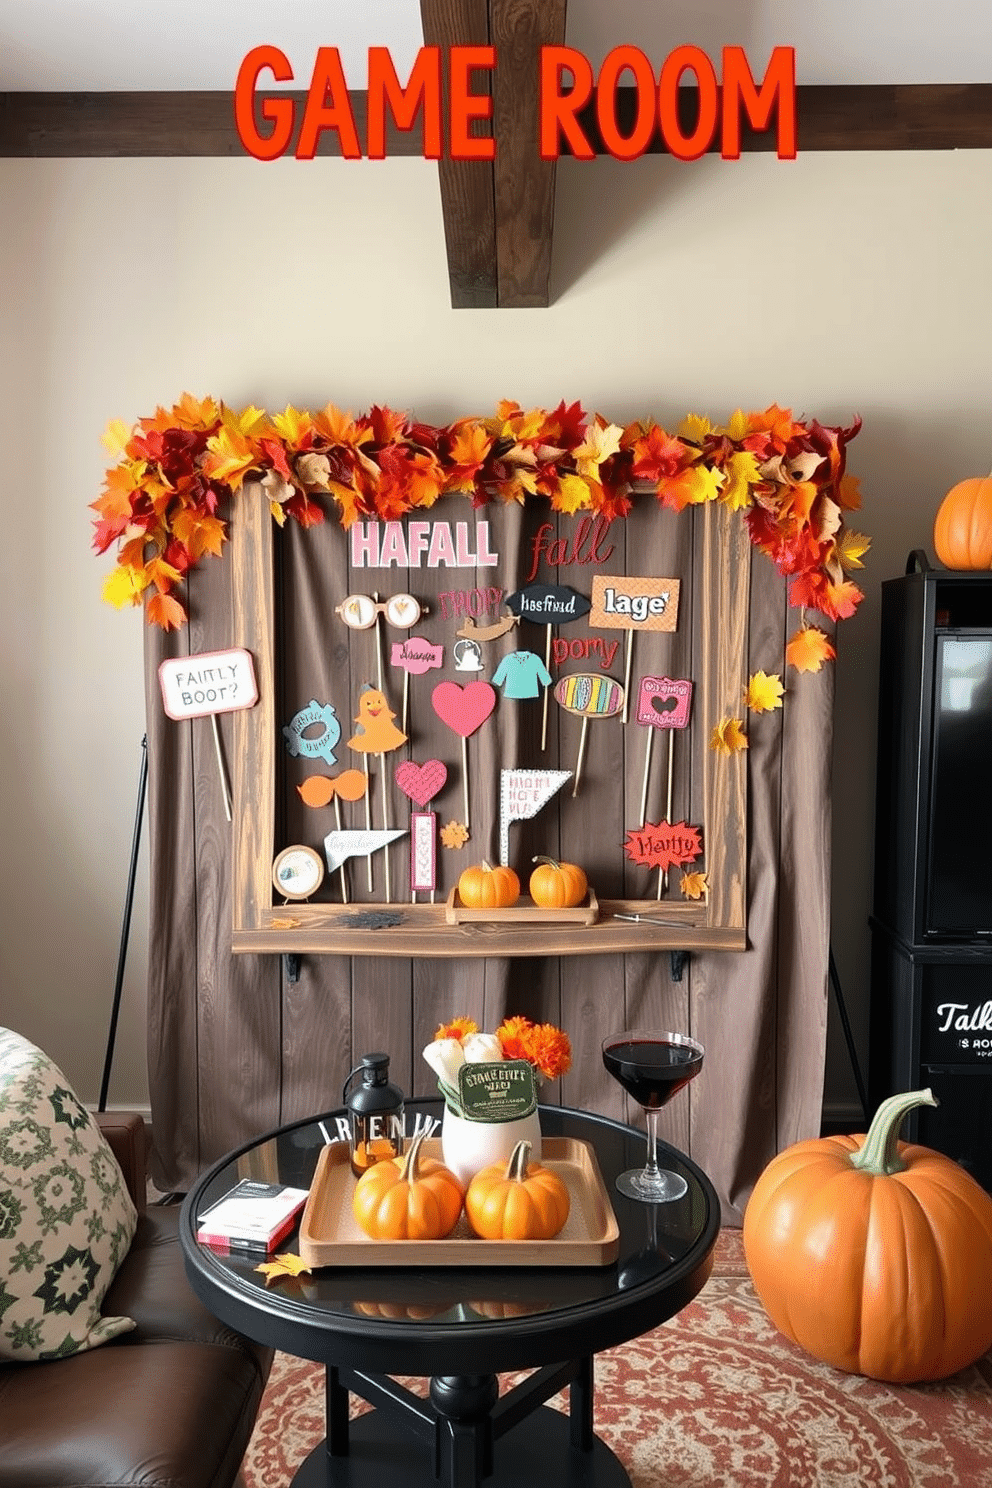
(330, 1235)
(525, 910)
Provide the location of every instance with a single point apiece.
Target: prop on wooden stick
(522, 793)
(421, 784)
(415, 655)
(662, 703)
(664, 845)
(589, 696)
(207, 684)
(377, 734)
(464, 709)
(631, 604)
(548, 605)
(319, 790)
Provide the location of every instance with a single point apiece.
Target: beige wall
(835, 284)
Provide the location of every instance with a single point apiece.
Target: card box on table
(252, 1216)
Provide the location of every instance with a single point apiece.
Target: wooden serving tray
(586, 913)
(330, 1235)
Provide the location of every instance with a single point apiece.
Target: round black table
(460, 1326)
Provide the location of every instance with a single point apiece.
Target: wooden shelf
(336, 929)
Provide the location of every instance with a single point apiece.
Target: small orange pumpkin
(557, 885)
(872, 1254)
(962, 531)
(484, 887)
(518, 1200)
(408, 1198)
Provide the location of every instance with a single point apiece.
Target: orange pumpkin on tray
(408, 1198)
(485, 887)
(518, 1200)
(556, 885)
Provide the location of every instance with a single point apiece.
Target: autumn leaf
(763, 692)
(116, 436)
(658, 454)
(230, 455)
(690, 487)
(453, 834)
(165, 611)
(809, 649)
(124, 586)
(693, 885)
(601, 441)
(195, 413)
(849, 492)
(737, 427)
(572, 494)
(284, 1264)
(693, 428)
(741, 472)
(851, 549)
(728, 737)
(292, 425)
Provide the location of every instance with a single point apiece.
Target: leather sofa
(171, 1404)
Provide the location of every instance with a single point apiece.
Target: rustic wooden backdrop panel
(240, 1042)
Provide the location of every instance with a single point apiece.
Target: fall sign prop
(522, 793)
(176, 472)
(547, 605)
(873, 1254)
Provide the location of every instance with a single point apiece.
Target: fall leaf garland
(176, 473)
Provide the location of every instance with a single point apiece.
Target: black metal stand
(845, 1023)
(126, 925)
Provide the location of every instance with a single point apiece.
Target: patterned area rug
(718, 1397)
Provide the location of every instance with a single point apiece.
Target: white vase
(469, 1146)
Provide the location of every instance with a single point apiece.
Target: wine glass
(652, 1067)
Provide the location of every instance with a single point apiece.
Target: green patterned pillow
(66, 1217)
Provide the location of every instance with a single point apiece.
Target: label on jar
(501, 1090)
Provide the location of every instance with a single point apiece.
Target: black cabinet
(931, 986)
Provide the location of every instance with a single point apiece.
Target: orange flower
(512, 1034)
(458, 1028)
(548, 1050)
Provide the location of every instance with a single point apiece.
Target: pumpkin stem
(516, 1168)
(551, 862)
(486, 866)
(411, 1161)
(879, 1153)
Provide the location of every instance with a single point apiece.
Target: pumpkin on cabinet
(556, 885)
(962, 530)
(408, 1198)
(484, 887)
(874, 1255)
(518, 1200)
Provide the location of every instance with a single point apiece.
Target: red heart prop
(463, 709)
(421, 782)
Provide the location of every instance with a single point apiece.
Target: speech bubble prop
(663, 845)
(522, 793)
(421, 782)
(212, 682)
(548, 605)
(207, 684)
(340, 846)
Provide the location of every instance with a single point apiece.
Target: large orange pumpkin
(874, 1255)
(962, 531)
(484, 887)
(408, 1198)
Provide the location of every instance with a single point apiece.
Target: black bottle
(375, 1114)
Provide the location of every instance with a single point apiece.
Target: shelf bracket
(291, 966)
(679, 962)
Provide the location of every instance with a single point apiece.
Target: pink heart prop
(463, 709)
(421, 782)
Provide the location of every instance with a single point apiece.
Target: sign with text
(664, 844)
(213, 682)
(497, 1090)
(620, 603)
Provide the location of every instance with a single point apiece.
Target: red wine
(652, 1070)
